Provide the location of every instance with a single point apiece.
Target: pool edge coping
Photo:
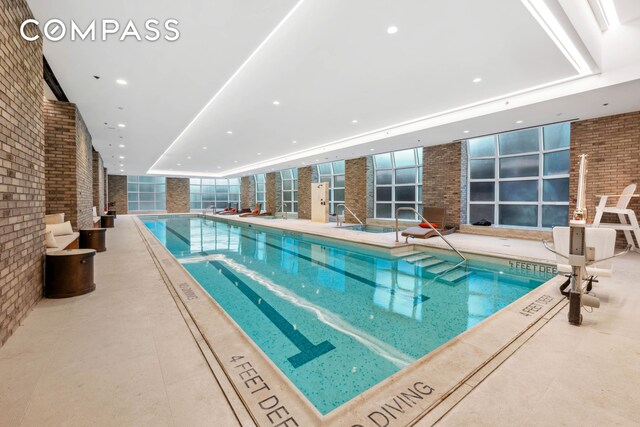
(465, 339)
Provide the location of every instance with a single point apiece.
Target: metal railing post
(349, 210)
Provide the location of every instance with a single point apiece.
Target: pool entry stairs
(431, 267)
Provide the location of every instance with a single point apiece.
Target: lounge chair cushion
(50, 240)
(426, 225)
(60, 229)
(54, 218)
(64, 241)
(255, 211)
(417, 232)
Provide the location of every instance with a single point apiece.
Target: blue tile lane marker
(308, 351)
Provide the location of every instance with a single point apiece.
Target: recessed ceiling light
(219, 167)
(477, 80)
(294, 142)
(229, 132)
(259, 154)
(235, 161)
(121, 82)
(518, 121)
(189, 157)
(121, 125)
(121, 146)
(204, 148)
(121, 157)
(354, 121)
(121, 164)
(372, 149)
(392, 29)
(178, 164)
(276, 102)
(465, 131)
(121, 170)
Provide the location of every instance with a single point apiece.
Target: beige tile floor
(120, 356)
(123, 355)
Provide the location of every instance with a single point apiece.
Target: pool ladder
(340, 218)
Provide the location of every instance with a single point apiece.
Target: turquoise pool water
(336, 319)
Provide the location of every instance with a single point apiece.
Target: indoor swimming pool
(337, 318)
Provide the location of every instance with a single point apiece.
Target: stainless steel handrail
(431, 226)
(346, 208)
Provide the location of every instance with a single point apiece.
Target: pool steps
(432, 267)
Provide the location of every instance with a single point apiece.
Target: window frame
(332, 200)
(418, 166)
(159, 202)
(263, 181)
(496, 180)
(198, 182)
(294, 190)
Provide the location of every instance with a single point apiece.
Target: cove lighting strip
(541, 12)
(227, 83)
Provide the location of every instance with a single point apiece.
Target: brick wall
(118, 193)
(355, 182)
(68, 163)
(271, 193)
(441, 179)
(178, 195)
(22, 193)
(84, 173)
(613, 147)
(98, 182)
(105, 189)
(305, 177)
(247, 192)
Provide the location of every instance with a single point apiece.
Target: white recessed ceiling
(326, 63)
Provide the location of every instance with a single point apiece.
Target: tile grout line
(205, 350)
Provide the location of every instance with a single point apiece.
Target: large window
(398, 183)
(333, 173)
(520, 178)
(219, 193)
(261, 189)
(146, 193)
(289, 190)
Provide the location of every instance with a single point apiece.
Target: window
(333, 173)
(520, 178)
(398, 183)
(261, 189)
(146, 193)
(209, 193)
(289, 190)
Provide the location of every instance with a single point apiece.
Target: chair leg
(636, 228)
(627, 233)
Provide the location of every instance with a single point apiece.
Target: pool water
(370, 228)
(335, 319)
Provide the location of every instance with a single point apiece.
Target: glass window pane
(383, 177)
(555, 190)
(287, 196)
(338, 167)
(194, 189)
(406, 176)
(482, 147)
(419, 154)
(383, 194)
(260, 188)
(338, 195)
(132, 187)
(519, 215)
(195, 198)
(161, 188)
(133, 197)
(519, 191)
(556, 163)
(405, 158)
(338, 181)
(287, 185)
(146, 188)
(133, 206)
(482, 169)
(382, 161)
(383, 210)
(522, 141)
(406, 214)
(557, 136)
(480, 212)
(324, 169)
(555, 216)
(147, 206)
(146, 179)
(147, 197)
(482, 191)
(406, 194)
(132, 179)
(516, 167)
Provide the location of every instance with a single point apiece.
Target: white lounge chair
(621, 210)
